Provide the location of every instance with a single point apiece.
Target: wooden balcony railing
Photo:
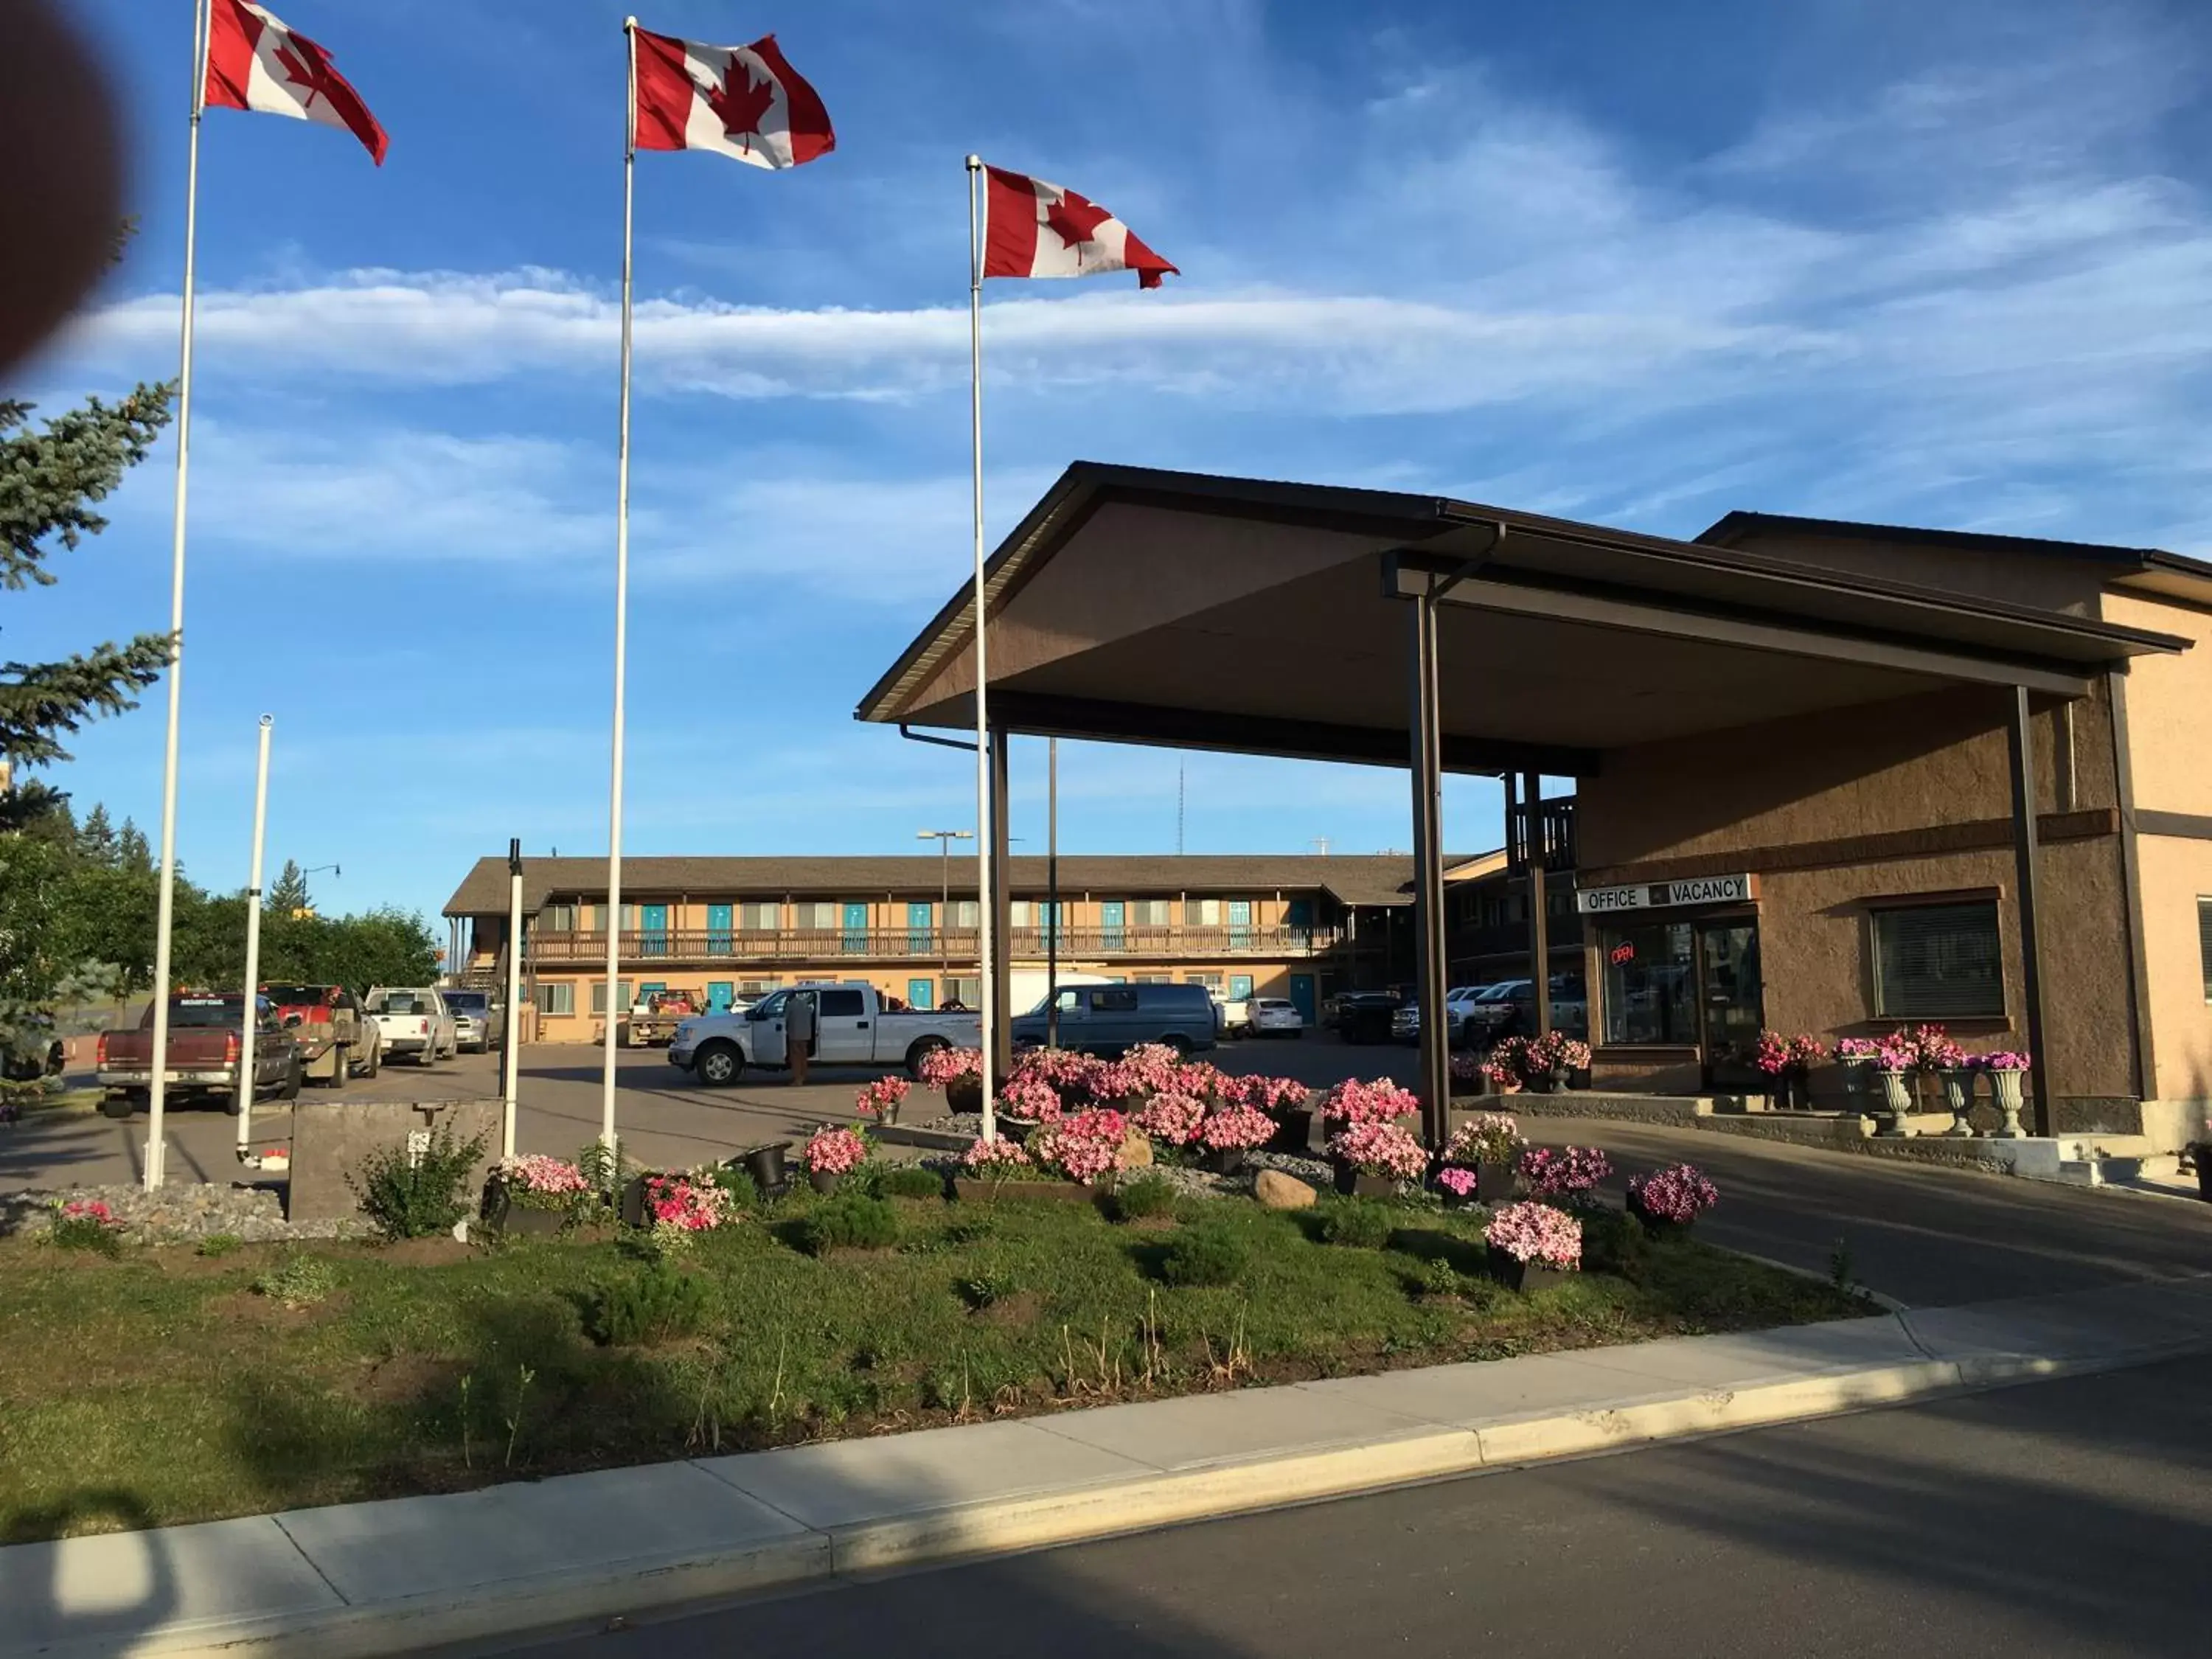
(820, 944)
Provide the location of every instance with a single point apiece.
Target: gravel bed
(175, 1214)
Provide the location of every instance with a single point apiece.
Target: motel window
(600, 994)
(2204, 942)
(823, 914)
(754, 989)
(1201, 913)
(1155, 978)
(1151, 913)
(966, 913)
(1021, 914)
(760, 916)
(557, 919)
(556, 997)
(965, 989)
(1212, 982)
(1650, 983)
(1938, 962)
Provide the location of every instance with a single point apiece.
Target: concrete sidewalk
(403, 1574)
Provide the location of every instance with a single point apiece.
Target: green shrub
(298, 1281)
(420, 1199)
(848, 1221)
(1147, 1195)
(987, 1285)
(658, 1304)
(1360, 1223)
(909, 1181)
(221, 1244)
(744, 1192)
(1204, 1255)
(86, 1232)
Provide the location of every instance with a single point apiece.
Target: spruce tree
(95, 841)
(291, 892)
(50, 479)
(132, 850)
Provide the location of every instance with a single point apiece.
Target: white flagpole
(986, 827)
(252, 1022)
(166, 914)
(622, 619)
(510, 1057)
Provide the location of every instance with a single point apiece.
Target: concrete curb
(799, 1552)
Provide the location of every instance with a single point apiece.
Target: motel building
(1794, 774)
(727, 929)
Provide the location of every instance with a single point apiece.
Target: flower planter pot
(1524, 1276)
(2203, 1172)
(965, 1094)
(1859, 1076)
(766, 1166)
(502, 1214)
(1016, 1129)
(2005, 1087)
(1959, 1098)
(1656, 1226)
(1896, 1101)
(974, 1190)
(825, 1182)
(1293, 1131)
(1221, 1161)
(1354, 1182)
(1495, 1183)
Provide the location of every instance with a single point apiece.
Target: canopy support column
(1534, 853)
(1429, 876)
(2021, 744)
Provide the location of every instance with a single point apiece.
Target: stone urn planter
(766, 1166)
(1524, 1277)
(1959, 1097)
(2005, 1088)
(1896, 1101)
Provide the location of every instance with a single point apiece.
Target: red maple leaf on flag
(1072, 218)
(304, 65)
(740, 101)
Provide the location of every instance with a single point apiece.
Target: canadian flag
(1038, 229)
(254, 62)
(745, 102)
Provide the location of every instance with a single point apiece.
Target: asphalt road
(2067, 1518)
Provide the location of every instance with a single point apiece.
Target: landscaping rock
(175, 1214)
(1276, 1191)
(1136, 1151)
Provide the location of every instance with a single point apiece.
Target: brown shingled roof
(1352, 878)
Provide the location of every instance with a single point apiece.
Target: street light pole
(944, 838)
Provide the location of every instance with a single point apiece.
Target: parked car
(415, 1023)
(1109, 1020)
(1275, 1016)
(206, 1055)
(1360, 1016)
(1459, 1012)
(335, 1039)
(1509, 1009)
(479, 1020)
(853, 1026)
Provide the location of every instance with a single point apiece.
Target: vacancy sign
(1661, 895)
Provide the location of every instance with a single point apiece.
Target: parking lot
(664, 1118)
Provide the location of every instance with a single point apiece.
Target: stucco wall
(2169, 699)
(1936, 759)
(2175, 874)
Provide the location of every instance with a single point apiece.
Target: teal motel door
(719, 919)
(1113, 918)
(652, 924)
(855, 940)
(721, 993)
(1239, 924)
(921, 993)
(920, 913)
(1302, 996)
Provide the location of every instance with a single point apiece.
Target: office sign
(1663, 895)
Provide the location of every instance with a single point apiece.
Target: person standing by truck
(799, 1023)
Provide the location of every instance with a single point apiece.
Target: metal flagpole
(984, 838)
(510, 1056)
(252, 1022)
(622, 618)
(166, 913)
(1052, 892)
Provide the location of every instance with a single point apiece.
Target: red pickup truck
(205, 1042)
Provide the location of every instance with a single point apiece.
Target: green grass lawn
(161, 1386)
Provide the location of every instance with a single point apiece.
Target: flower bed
(1083, 1147)
(1675, 1196)
(1381, 1149)
(1351, 1104)
(1490, 1137)
(1571, 1174)
(1536, 1234)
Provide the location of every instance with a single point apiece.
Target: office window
(1151, 913)
(600, 994)
(1938, 962)
(2204, 942)
(556, 997)
(556, 919)
(760, 916)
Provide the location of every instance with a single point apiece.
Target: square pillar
(1539, 920)
(1429, 876)
(1001, 920)
(2020, 736)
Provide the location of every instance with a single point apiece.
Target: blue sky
(1639, 265)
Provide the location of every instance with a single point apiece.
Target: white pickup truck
(415, 1023)
(851, 1027)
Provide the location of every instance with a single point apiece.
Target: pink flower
(1536, 1232)
(1082, 1147)
(942, 1067)
(1678, 1193)
(835, 1150)
(1380, 1149)
(994, 1159)
(1458, 1181)
(1269, 1094)
(881, 1098)
(1239, 1127)
(685, 1205)
(88, 1209)
(1353, 1102)
(1029, 1097)
(1492, 1138)
(1573, 1174)
(534, 1172)
(1173, 1119)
